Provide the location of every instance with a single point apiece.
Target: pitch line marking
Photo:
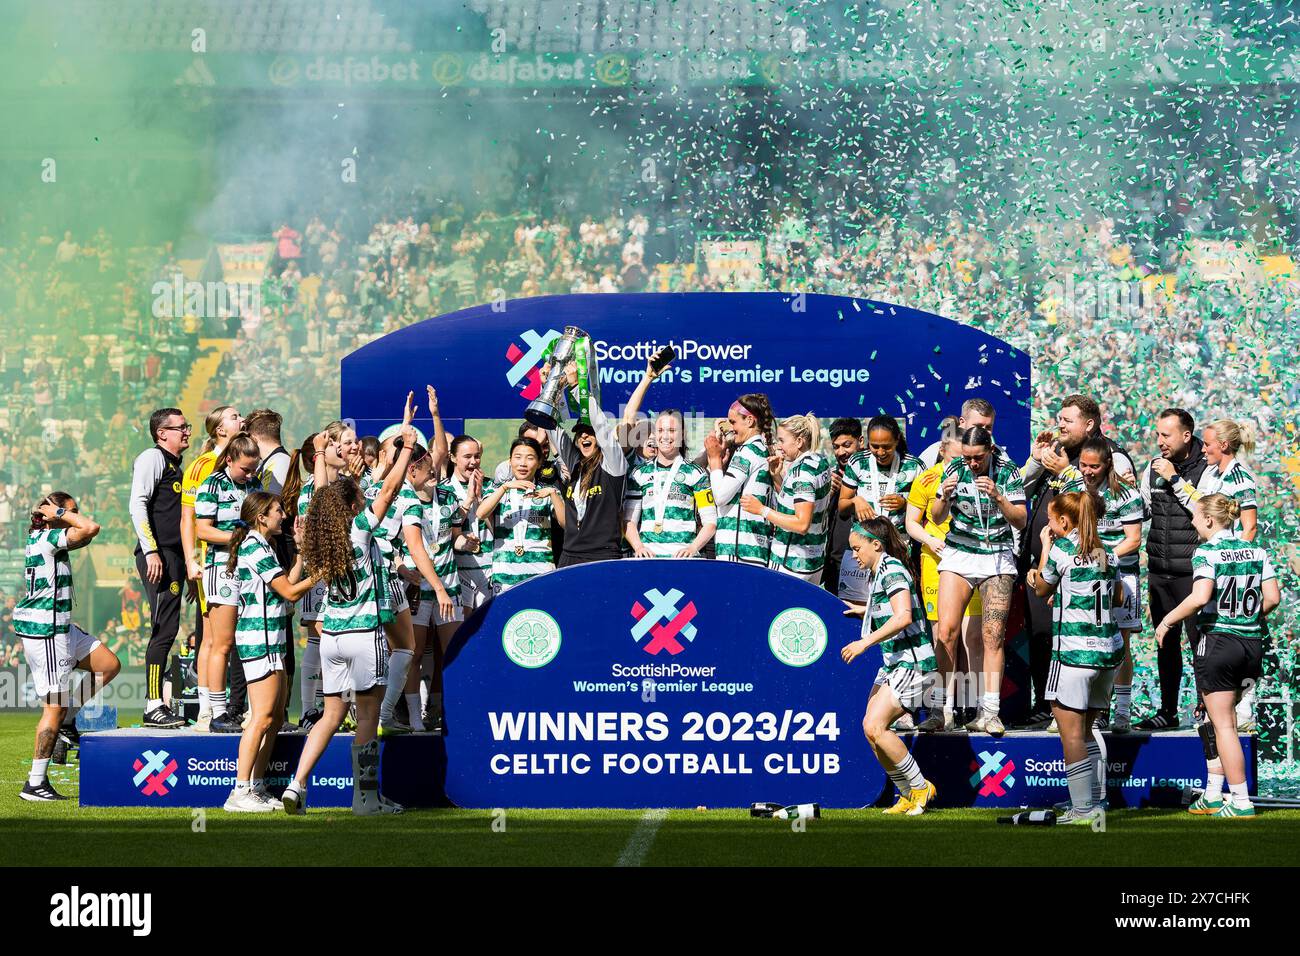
(638, 844)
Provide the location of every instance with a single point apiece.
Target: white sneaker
(987, 724)
(1079, 818)
(1052, 728)
(1246, 725)
(265, 796)
(245, 801)
(203, 724)
(294, 801)
(905, 724)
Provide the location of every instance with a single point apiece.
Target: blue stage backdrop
(673, 683)
(831, 355)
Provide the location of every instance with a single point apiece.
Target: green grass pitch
(64, 834)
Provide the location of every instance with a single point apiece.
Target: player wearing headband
(743, 536)
(983, 493)
(893, 619)
(800, 519)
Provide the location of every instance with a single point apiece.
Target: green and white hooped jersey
(873, 485)
(45, 609)
(521, 543)
(304, 495)
(742, 536)
(440, 519)
(219, 500)
(912, 647)
(1238, 569)
(403, 513)
(1125, 508)
(263, 614)
(473, 525)
(1085, 634)
(357, 602)
(978, 525)
(1238, 483)
(807, 478)
(672, 501)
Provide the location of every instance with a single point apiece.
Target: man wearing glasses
(156, 517)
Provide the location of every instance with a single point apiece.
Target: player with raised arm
(893, 619)
(338, 544)
(983, 493)
(1087, 647)
(53, 646)
(1234, 589)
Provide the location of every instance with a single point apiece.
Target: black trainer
(1036, 719)
(70, 733)
(306, 720)
(1157, 722)
(434, 724)
(226, 724)
(41, 793)
(160, 718)
(60, 753)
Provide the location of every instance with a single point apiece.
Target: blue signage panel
(831, 355)
(659, 684)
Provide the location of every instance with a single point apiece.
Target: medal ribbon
(661, 491)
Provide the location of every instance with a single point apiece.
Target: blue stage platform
(135, 767)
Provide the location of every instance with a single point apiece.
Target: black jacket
(1172, 539)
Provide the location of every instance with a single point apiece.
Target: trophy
(544, 410)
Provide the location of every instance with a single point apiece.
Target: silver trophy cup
(544, 410)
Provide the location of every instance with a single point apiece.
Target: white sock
(1097, 755)
(1078, 777)
(989, 703)
(1123, 700)
(1240, 795)
(296, 785)
(242, 786)
(39, 769)
(205, 704)
(217, 699)
(413, 708)
(911, 773)
(152, 704)
(399, 662)
(309, 677)
(1214, 786)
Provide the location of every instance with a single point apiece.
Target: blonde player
(1234, 589)
(801, 517)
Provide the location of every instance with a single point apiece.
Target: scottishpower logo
(155, 773)
(992, 774)
(659, 625)
(524, 373)
(531, 638)
(797, 637)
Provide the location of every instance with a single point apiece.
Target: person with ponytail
(53, 646)
(1234, 589)
(1225, 474)
(1119, 526)
(1087, 647)
(216, 509)
(338, 546)
(473, 546)
(221, 424)
(743, 536)
(892, 617)
(802, 506)
(983, 493)
(266, 595)
(669, 510)
(340, 454)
